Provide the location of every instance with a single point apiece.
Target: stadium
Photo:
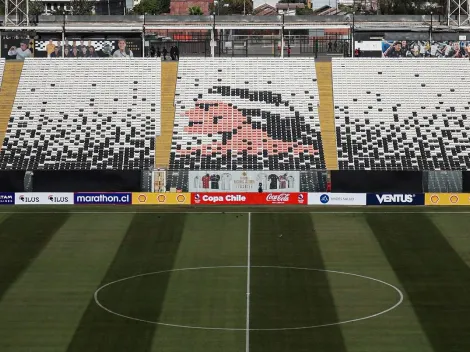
(276, 183)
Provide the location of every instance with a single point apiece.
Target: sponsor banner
(447, 199)
(244, 181)
(161, 198)
(424, 48)
(98, 47)
(159, 181)
(103, 198)
(249, 198)
(395, 199)
(7, 198)
(337, 198)
(43, 198)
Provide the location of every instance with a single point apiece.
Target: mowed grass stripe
(150, 245)
(349, 245)
(22, 238)
(42, 309)
(207, 297)
(289, 298)
(436, 280)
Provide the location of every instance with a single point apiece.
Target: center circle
(102, 304)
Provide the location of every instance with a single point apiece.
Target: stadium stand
(402, 114)
(246, 113)
(326, 113)
(168, 86)
(84, 114)
(9, 83)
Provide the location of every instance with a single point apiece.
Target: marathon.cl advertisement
(395, 199)
(161, 198)
(447, 199)
(7, 198)
(43, 198)
(249, 198)
(337, 199)
(103, 198)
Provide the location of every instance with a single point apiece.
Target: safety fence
(235, 198)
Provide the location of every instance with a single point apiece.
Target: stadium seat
(246, 113)
(84, 114)
(399, 114)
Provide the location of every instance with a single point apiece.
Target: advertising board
(244, 181)
(249, 198)
(43, 198)
(395, 199)
(161, 198)
(106, 198)
(447, 199)
(337, 199)
(7, 198)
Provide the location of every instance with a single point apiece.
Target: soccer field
(234, 279)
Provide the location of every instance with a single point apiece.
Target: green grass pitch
(132, 279)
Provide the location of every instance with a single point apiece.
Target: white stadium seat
(402, 114)
(84, 114)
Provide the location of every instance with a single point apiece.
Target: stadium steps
(326, 112)
(11, 79)
(168, 87)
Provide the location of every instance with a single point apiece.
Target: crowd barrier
(235, 198)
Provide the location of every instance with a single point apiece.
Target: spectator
(56, 53)
(22, 52)
(91, 51)
(335, 45)
(330, 44)
(177, 52)
(165, 53)
(83, 51)
(123, 51)
(172, 53)
(66, 50)
(75, 53)
(50, 48)
(159, 53)
(152, 51)
(288, 51)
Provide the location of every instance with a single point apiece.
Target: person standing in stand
(165, 53)
(177, 52)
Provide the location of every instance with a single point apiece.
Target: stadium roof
(137, 23)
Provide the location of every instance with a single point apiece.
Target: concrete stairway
(163, 142)
(326, 112)
(11, 79)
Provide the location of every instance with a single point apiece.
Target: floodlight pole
(282, 37)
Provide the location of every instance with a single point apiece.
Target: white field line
(248, 279)
(397, 290)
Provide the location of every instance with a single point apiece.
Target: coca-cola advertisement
(268, 198)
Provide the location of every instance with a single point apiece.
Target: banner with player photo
(17, 49)
(244, 181)
(88, 48)
(416, 49)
